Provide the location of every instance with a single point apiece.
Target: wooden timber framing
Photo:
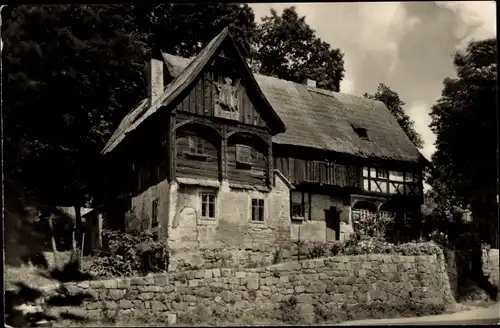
(317, 167)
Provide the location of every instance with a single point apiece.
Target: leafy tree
(391, 99)
(286, 47)
(464, 121)
(184, 29)
(71, 73)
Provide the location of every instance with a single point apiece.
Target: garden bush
(373, 245)
(317, 250)
(382, 310)
(126, 254)
(289, 310)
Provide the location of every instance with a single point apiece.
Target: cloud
(421, 124)
(407, 45)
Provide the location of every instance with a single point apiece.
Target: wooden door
(332, 219)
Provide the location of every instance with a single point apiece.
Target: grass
(26, 274)
(30, 275)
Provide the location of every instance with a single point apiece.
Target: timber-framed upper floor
(210, 118)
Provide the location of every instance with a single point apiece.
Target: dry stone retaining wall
(330, 282)
(233, 257)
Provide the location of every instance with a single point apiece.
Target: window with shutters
(244, 154)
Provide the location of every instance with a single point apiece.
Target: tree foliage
(286, 47)
(396, 106)
(191, 26)
(464, 121)
(70, 73)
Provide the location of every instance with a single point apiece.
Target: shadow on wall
(471, 269)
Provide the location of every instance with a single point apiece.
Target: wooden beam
(404, 183)
(223, 153)
(172, 148)
(270, 166)
(369, 179)
(310, 207)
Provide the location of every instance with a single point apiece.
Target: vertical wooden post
(298, 244)
(270, 164)
(53, 241)
(171, 148)
(369, 178)
(404, 183)
(83, 245)
(223, 154)
(99, 230)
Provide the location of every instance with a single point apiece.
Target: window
(360, 131)
(258, 210)
(196, 145)
(154, 213)
(412, 177)
(396, 176)
(208, 204)
(382, 174)
(297, 210)
(244, 154)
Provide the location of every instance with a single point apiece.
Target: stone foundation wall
(491, 266)
(234, 257)
(329, 282)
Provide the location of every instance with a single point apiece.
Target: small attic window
(360, 131)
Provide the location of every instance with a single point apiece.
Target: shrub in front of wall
(129, 254)
(381, 310)
(378, 246)
(289, 310)
(375, 310)
(317, 250)
(336, 247)
(323, 314)
(277, 256)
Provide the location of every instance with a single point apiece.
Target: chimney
(155, 75)
(310, 83)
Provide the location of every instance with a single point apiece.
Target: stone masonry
(330, 282)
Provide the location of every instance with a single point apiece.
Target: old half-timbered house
(218, 156)
(194, 161)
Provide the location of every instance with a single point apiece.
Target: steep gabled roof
(183, 79)
(325, 119)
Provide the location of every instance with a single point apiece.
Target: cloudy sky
(408, 45)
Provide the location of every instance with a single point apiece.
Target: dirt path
(490, 313)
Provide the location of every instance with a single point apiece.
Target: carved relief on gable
(227, 98)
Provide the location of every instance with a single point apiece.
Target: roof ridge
(326, 92)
